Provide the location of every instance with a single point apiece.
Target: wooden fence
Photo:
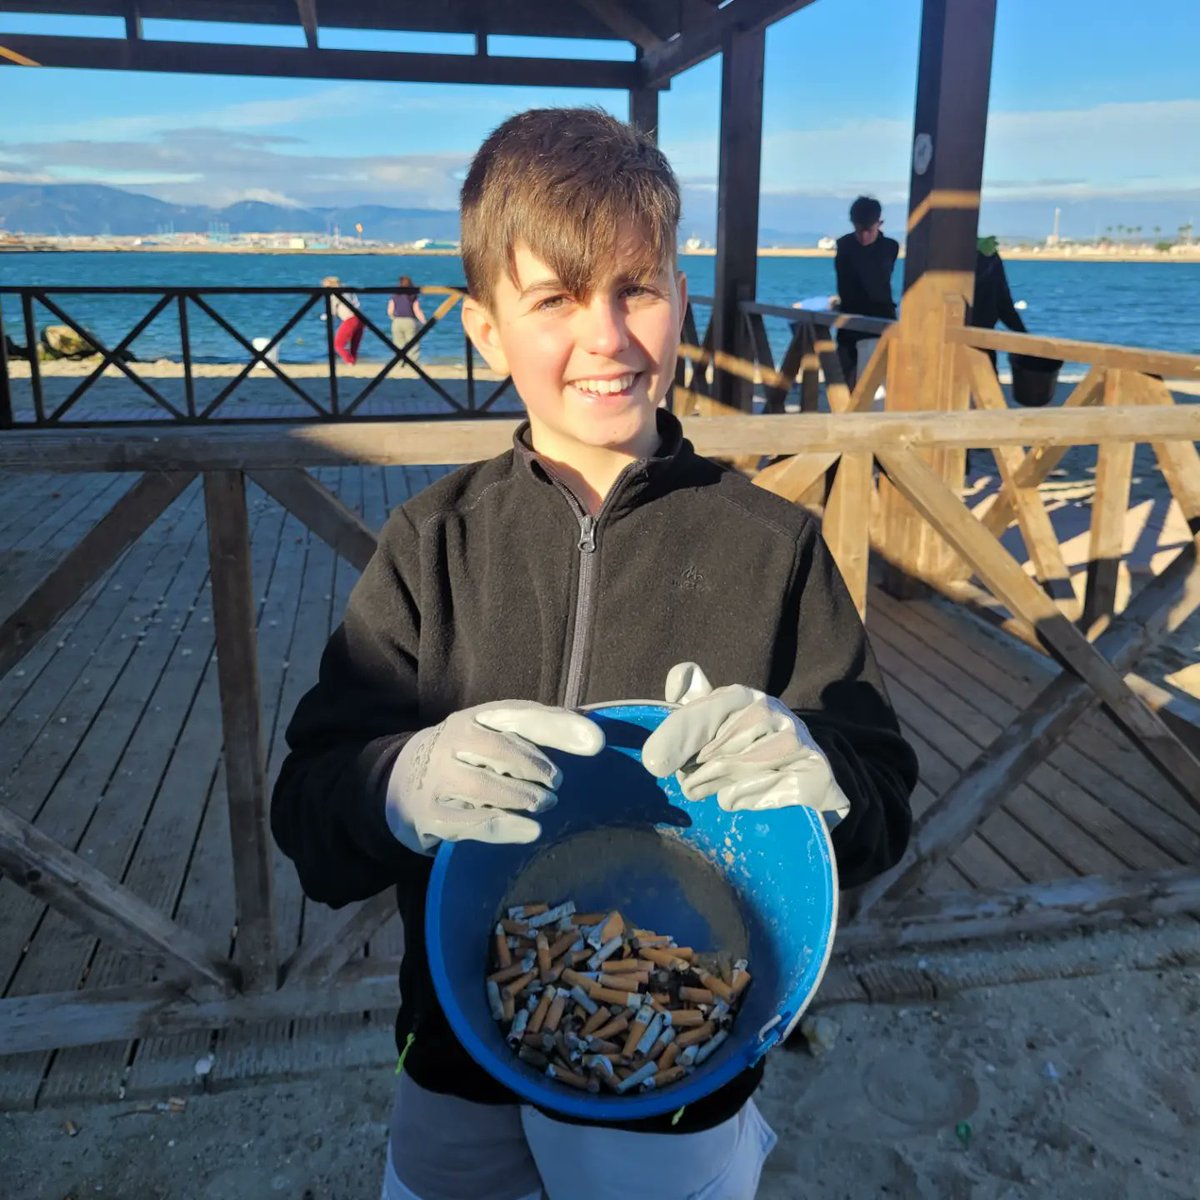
(842, 452)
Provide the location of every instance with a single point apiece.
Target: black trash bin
(1034, 380)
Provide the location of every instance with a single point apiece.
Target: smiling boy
(596, 558)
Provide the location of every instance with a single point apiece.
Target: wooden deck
(110, 741)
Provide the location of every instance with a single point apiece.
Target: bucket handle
(769, 1036)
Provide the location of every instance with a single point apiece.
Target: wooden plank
(1106, 546)
(836, 391)
(1043, 458)
(172, 757)
(1004, 577)
(1138, 830)
(1032, 736)
(241, 712)
(873, 376)
(792, 477)
(82, 566)
(810, 372)
(320, 958)
(1031, 909)
(329, 519)
(1099, 354)
(387, 443)
(1178, 461)
(80, 1018)
(1112, 764)
(1041, 540)
(623, 21)
(776, 389)
(70, 885)
(981, 715)
(846, 524)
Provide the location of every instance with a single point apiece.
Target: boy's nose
(604, 327)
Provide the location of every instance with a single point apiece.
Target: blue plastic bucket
(760, 885)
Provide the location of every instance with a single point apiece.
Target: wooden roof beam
(707, 37)
(308, 18)
(300, 63)
(622, 22)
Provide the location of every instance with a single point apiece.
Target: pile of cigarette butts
(595, 1003)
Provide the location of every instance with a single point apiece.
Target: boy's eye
(635, 291)
(550, 303)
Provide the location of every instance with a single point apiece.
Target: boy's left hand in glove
(748, 748)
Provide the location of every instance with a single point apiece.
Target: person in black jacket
(596, 558)
(993, 301)
(863, 263)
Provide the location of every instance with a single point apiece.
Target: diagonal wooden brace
(1159, 607)
(318, 961)
(72, 886)
(1009, 583)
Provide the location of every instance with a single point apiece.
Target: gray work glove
(468, 778)
(745, 746)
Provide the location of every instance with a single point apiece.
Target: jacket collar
(642, 479)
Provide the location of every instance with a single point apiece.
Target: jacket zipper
(583, 609)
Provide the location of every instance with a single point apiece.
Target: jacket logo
(691, 580)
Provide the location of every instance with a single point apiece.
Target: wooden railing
(183, 306)
(204, 987)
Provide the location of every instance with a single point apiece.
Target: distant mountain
(67, 209)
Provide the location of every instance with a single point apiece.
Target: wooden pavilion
(141, 904)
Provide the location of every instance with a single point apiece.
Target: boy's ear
(681, 283)
(481, 329)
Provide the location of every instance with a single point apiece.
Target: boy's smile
(591, 370)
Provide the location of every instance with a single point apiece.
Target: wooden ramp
(110, 744)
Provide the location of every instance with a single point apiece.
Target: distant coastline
(1080, 254)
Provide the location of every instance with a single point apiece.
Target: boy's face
(590, 370)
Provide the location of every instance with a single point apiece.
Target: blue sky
(1095, 107)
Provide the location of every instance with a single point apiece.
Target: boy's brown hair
(569, 183)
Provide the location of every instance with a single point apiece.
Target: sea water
(1152, 304)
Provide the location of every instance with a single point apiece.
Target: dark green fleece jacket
(493, 584)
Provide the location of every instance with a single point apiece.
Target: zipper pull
(587, 535)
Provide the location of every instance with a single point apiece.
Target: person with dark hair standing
(404, 308)
(864, 263)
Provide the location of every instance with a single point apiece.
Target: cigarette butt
(543, 954)
(687, 1056)
(516, 1031)
(650, 937)
(617, 1025)
(613, 927)
(650, 1036)
(716, 985)
(660, 1002)
(600, 1017)
(599, 1064)
(606, 951)
(641, 1075)
(707, 1049)
(618, 966)
(686, 1018)
(533, 910)
(741, 980)
(589, 1006)
(509, 972)
(508, 1005)
(535, 1058)
(603, 1046)
(683, 952)
(664, 958)
(610, 996)
(694, 1036)
(573, 978)
(667, 1059)
(551, 915)
(579, 956)
(623, 981)
(503, 954)
(520, 928)
(539, 1014)
(572, 1078)
(519, 984)
(561, 945)
(697, 995)
(494, 1001)
(667, 1075)
(557, 1006)
(639, 1026)
(591, 918)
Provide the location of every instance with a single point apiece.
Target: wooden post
(736, 268)
(953, 78)
(235, 617)
(6, 407)
(643, 110)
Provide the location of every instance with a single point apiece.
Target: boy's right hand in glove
(468, 778)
